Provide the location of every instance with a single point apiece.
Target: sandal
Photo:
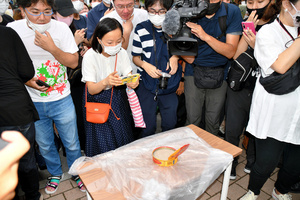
(79, 183)
(53, 182)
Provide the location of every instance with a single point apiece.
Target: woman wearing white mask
(153, 58)
(274, 119)
(4, 18)
(102, 67)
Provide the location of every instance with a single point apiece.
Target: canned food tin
(160, 156)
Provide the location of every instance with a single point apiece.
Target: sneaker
(233, 174)
(281, 196)
(249, 196)
(247, 170)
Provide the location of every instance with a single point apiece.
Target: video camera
(181, 42)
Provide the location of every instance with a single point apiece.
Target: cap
(64, 7)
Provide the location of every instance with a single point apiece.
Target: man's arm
(227, 49)
(46, 43)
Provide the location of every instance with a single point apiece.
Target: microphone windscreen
(171, 24)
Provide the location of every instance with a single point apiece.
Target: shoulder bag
(98, 112)
(280, 84)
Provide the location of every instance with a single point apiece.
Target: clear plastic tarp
(131, 170)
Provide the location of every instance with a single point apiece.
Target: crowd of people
(61, 54)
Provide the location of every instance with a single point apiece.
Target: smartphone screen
(2, 143)
(250, 26)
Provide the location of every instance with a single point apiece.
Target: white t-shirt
(47, 68)
(139, 15)
(96, 67)
(275, 116)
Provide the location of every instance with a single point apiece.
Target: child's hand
(151, 70)
(133, 85)
(113, 79)
(173, 64)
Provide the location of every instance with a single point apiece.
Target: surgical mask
(106, 1)
(295, 17)
(41, 28)
(3, 7)
(213, 8)
(259, 11)
(67, 20)
(78, 5)
(112, 50)
(94, 4)
(157, 20)
(84, 14)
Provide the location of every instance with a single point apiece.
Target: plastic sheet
(131, 170)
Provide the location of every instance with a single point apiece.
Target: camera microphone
(171, 24)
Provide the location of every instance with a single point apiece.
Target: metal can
(160, 156)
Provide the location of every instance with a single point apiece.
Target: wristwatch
(182, 79)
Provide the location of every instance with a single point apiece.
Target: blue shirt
(81, 23)
(94, 17)
(143, 46)
(207, 56)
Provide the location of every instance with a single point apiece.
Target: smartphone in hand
(42, 83)
(249, 26)
(2, 143)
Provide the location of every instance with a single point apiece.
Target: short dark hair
(167, 4)
(28, 3)
(104, 26)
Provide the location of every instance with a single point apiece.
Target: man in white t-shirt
(52, 48)
(129, 17)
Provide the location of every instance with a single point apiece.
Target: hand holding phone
(249, 26)
(42, 83)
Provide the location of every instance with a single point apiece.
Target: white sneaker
(249, 196)
(247, 170)
(281, 196)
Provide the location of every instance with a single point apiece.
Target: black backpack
(240, 70)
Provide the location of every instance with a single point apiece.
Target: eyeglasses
(122, 7)
(7, 1)
(37, 13)
(154, 12)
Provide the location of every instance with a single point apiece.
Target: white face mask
(41, 28)
(156, 20)
(112, 50)
(3, 7)
(106, 1)
(78, 5)
(94, 4)
(84, 14)
(295, 17)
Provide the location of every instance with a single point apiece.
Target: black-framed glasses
(122, 7)
(154, 12)
(38, 13)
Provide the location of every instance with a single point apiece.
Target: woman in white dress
(275, 119)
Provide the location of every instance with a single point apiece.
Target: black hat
(64, 7)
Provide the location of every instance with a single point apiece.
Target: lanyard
(282, 26)
(154, 47)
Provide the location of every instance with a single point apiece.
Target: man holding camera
(204, 85)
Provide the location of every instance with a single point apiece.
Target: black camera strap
(154, 48)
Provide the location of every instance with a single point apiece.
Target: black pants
(268, 154)
(237, 110)
(27, 172)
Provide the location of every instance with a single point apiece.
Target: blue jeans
(27, 171)
(62, 113)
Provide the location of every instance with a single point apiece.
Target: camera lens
(184, 45)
